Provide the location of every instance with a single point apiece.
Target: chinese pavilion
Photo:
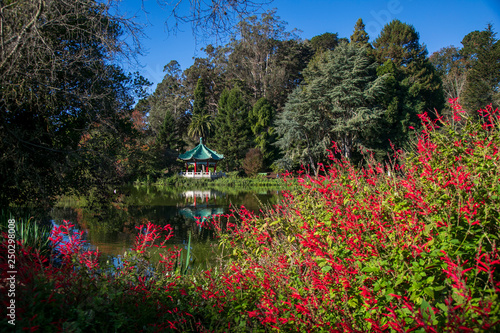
(202, 158)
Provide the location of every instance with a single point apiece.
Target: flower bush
(410, 246)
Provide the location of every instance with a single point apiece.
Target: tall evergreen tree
(261, 117)
(481, 50)
(168, 136)
(231, 128)
(339, 102)
(168, 145)
(199, 104)
(413, 85)
(303, 133)
(360, 36)
(347, 91)
(324, 42)
(400, 43)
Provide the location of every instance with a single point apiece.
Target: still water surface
(113, 230)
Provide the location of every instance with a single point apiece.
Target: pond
(113, 230)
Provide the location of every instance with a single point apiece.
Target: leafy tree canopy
(338, 102)
(59, 90)
(399, 42)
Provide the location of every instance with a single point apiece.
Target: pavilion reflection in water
(201, 205)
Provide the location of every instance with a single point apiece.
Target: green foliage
(200, 126)
(303, 133)
(232, 181)
(72, 89)
(199, 103)
(413, 85)
(211, 70)
(324, 42)
(347, 91)
(231, 128)
(359, 36)
(170, 96)
(451, 65)
(168, 137)
(261, 118)
(265, 59)
(481, 49)
(339, 102)
(30, 232)
(399, 42)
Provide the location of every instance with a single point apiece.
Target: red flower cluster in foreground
(382, 248)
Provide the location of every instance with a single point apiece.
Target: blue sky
(440, 24)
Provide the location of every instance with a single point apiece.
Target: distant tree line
(284, 101)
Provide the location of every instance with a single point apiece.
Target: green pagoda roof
(201, 152)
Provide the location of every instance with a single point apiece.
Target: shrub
(253, 162)
(407, 248)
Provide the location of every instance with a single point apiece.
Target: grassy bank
(232, 180)
(230, 185)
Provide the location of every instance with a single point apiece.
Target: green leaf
(429, 291)
(370, 269)
(326, 269)
(353, 303)
(427, 312)
(442, 306)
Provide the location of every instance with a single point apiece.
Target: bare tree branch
(210, 18)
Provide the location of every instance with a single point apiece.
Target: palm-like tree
(200, 126)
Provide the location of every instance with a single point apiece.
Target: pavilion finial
(201, 140)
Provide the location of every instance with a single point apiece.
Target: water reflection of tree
(113, 226)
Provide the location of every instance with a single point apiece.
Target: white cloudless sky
(439, 23)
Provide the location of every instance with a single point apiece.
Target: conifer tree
(399, 42)
(168, 136)
(199, 104)
(482, 53)
(359, 35)
(303, 133)
(261, 117)
(413, 84)
(231, 128)
(339, 102)
(347, 92)
(324, 42)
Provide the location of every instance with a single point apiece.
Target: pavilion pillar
(208, 168)
(195, 166)
(215, 167)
